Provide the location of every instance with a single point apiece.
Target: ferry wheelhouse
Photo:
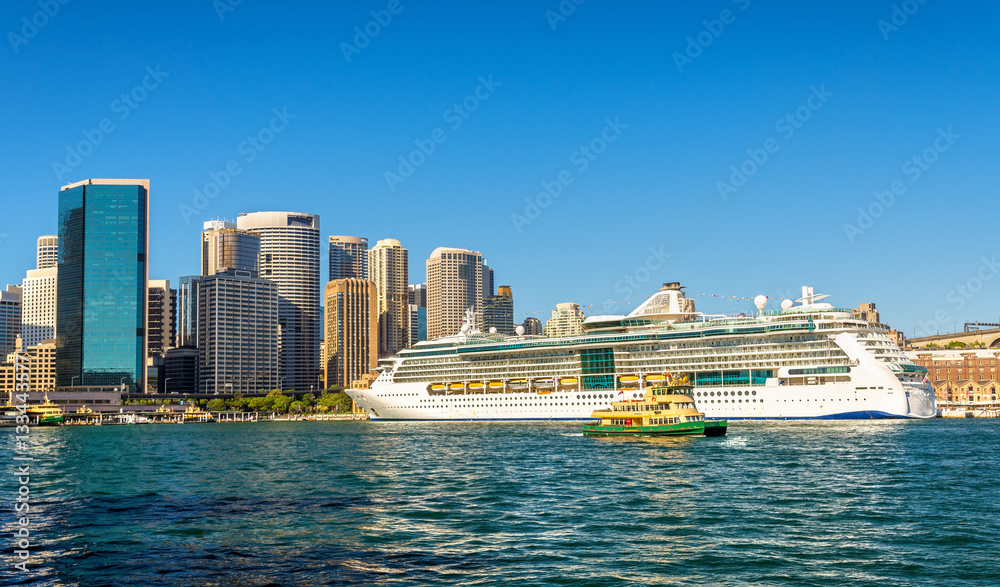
(810, 360)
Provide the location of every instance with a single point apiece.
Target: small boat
(196, 414)
(47, 412)
(456, 386)
(518, 384)
(437, 387)
(568, 381)
(476, 385)
(496, 384)
(84, 410)
(656, 377)
(663, 411)
(546, 382)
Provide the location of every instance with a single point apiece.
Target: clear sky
(639, 115)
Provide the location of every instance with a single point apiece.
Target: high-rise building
(289, 256)
(351, 308)
(388, 265)
(48, 252)
(454, 285)
(10, 319)
(418, 323)
(418, 294)
(162, 307)
(567, 320)
(180, 370)
(348, 257)
(39, 361)
(498, 311)
(227, 248)
(101, 298)
(487, 280)
(187, 311)
(532, 326)
(238, 334)
(38, 305)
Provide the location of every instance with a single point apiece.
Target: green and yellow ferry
(48, 413)
(662, 411)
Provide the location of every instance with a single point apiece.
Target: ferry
(662, 411)
(48, 413)
(806, 360)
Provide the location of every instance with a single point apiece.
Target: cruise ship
(806, 360)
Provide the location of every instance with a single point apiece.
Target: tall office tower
(487, 280)
(351, 307)
(227, 248)
(567, 320)
(388, 265)
(238, 334)
(162, 306)
(289, 256)
(532, 326)
(38, 305)
(187, 311)
(454, 285)
(418, 294)
(498, 311)
(48, 252)
(103, 272)
(10, 320)
(418, 324)
(348, 257)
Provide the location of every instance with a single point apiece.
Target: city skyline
(791, 152)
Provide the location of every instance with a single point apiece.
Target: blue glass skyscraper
(103, 270)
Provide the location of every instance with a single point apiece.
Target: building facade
(454, 285)
(960, 375)
(186, 331)
(289, 256)
(532, 326)
(388, 265)
(348, 257)
(10, 319)
(225, 248)
(567, 320)
(39, 361)
(417, 293)
(181, 371)
(498, 311)
(101, 298)
(47, 254)
(238, 320)
(351, 340)
(38, 305)
(162, 304)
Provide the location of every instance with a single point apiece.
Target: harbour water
(416, 503)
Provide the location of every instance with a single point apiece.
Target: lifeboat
(496, 384)
(437, 387)
(547, 382)
(456, 386)
(655, 377)
(517, 384)
(568, 381)
(476, 385)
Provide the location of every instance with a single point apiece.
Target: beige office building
(454, 285)
(48, 252)
(38, 305)
(567, 320)
(388, 266)
(226, 248)
(351, 338)
(40, 364)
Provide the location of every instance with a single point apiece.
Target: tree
(217, 405)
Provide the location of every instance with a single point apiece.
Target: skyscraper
(38, 305)
(226, 248)
(101, 298)
(351, 307)
(238, 334)
(418, 294)
(454, 284)
(388, 265)
(10, 320)
(289, 256)
(48, 252)
(348, 257)
(162, 306)
(187, 311)
(498, 311)
(487, 280)
(567, 320)
(418, 312)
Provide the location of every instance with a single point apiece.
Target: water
(343, 503)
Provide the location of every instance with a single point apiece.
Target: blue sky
(864, 99)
